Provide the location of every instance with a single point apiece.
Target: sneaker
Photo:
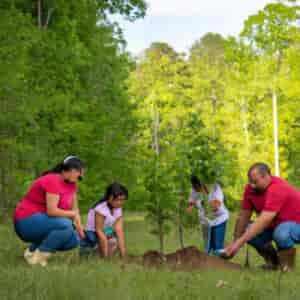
(27, 254)
(39, 257)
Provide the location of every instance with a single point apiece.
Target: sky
(181, 22)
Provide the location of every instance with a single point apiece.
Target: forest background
(68, 86)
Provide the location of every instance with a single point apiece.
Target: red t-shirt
(279, 197)
(35, 199)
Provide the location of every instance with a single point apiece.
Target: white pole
(275, 125)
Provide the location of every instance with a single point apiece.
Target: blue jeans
(48, 234)
(91, 240)
(217, 236)
(285, 235)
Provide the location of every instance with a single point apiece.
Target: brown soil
(189, 259)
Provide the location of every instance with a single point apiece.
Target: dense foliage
(67, 86)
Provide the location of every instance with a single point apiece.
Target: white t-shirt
(109, 218)
(221, 214)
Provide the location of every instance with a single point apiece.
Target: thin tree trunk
(275, 119)
(180, 225)
(156, 130)
(39, 13)
(214, 110)
(275, 127)
(157, 150)
(161, 235)
(245, 125)
(247, 259)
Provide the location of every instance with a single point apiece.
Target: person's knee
(69, 239)
(281, 236)
(74, 241)
(64, 224)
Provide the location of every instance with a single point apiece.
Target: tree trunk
(247, 258)
(156, 130)
(275, 118)
(213, 117)
(180, 233)
(180, 225)
(275, 127)
(161, 235)
(157, 150)
(245, 125)
(39, 13)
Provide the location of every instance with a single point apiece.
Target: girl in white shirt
(104, 228)
(214, 223)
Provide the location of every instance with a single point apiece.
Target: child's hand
(215, 204)
(81, 233)
(124, 258)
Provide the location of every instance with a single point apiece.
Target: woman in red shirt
(48, 216)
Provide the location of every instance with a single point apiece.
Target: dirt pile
(189, 258)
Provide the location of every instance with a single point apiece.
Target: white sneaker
(27, 254)
(38, 257)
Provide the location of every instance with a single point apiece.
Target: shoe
(38, 257)
(27, 254)
(287, 259)
(269, 253)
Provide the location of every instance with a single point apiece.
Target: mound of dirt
(189, 258)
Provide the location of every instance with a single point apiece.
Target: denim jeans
(48, 234)
(217, 236)
(285, 235)
(91, 240)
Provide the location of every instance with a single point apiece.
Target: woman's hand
(78, 225)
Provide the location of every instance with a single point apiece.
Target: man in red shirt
(277, 204)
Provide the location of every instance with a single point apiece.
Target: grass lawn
(68, 277)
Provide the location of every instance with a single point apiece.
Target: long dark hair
(197, 184)
(69, 163)
(113, 190)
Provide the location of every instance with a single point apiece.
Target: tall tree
(269, 32)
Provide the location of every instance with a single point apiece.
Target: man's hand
(261, 223)
(232, 249)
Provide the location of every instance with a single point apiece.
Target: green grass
(68, 277)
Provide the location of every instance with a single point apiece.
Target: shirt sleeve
(99, 209)
(50, 184)
(119, 213)
(246, 203)
(275, 199)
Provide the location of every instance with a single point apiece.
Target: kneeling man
(277, 204)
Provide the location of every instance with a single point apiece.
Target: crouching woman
(48, 216)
